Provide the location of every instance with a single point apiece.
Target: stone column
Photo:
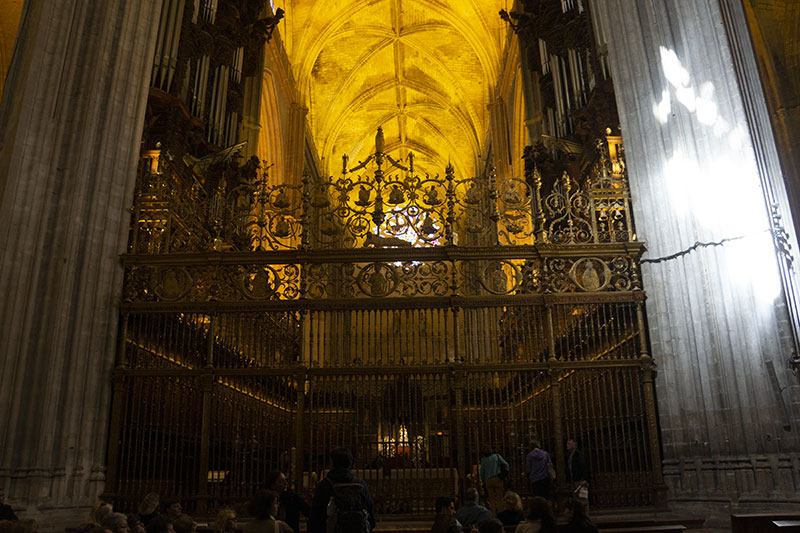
(70, 127)
(716, 313)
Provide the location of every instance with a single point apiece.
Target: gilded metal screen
(417, 321)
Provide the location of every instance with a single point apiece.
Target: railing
(255, 339)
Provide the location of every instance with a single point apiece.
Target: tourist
(491, 525)
(576, 465)
(6, 512)
(291, 506)
(512, 513)
(183, 523)
(135, 524)
(115, 523)
(99, 511)
(471, 513)
(338, 479)
(226, 521)
(577, 521)
(159, 524)
(263, 508)
(537, 466)
(540, 518)
(445, 521)
(172, 509)
(148, 508)
(494, 470)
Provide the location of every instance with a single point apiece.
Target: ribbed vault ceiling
(423, 70)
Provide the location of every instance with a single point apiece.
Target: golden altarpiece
(413, 315)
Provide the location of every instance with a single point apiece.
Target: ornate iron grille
(416, 319)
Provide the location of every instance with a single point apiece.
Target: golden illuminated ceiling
(424, 70)
(9, 21)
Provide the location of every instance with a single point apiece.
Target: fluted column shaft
(718, 325)
(70, 128)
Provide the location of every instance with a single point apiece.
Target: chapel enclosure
(415, 319)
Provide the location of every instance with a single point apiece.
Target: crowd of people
(342, 503)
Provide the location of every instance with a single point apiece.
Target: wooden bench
(759, 522)
(671, 528)
(691, 522)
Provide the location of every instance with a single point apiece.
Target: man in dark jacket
(342, 460)
(576, 464)
(291, 505)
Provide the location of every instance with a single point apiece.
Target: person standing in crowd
(184, 523)
(338, 476)
(472, 513)
(226, 521)
(148, 507)
(116, 523)
(536, 466)
(445, 521)
(6, 512)
(100, 510)
(494, 470)
(159, 524)
(291, 506)
(576, 463)
(577, 520)
(512, 514)
(135, 523)
(540, 518)
(172, 509)
(263, 508)
(492, 525)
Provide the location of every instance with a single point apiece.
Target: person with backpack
(494, 470)
(342, 503)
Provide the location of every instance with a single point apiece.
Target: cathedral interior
(237, 234)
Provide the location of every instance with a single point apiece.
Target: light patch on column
(718, 188)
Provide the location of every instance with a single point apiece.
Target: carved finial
(379, 140)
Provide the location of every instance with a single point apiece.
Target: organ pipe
(172, 58)
(544, 57)
(162, 23)
(166, 54)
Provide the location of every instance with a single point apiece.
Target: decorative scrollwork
(229, 207)
(516, 216)
(568, 210)
(425, 279)
(202, 283)
(608, 189)
(472, 206)
(232, 207)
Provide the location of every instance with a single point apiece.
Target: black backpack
(348, 513)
